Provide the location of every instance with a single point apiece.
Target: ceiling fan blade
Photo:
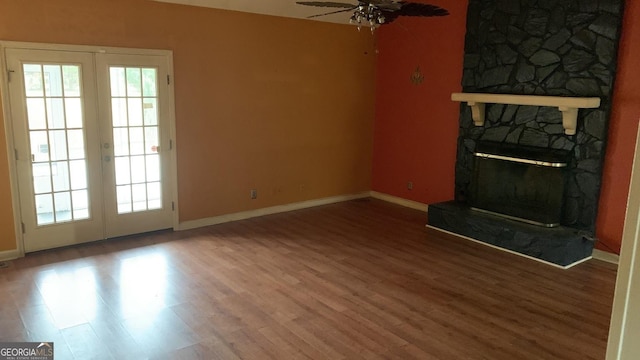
(413, 9)
(385, 4)
(389, 16)
(418, 9)
(327, 4)
(332, 12)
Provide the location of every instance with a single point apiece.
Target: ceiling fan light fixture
(368, 13)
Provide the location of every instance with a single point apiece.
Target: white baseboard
(510, 251)
(193, 224)
(9, 255)
(399, 201)
(606, 256)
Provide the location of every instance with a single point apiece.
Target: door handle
(107, 158)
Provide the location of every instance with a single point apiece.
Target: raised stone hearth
(561, 246)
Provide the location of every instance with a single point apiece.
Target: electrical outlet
(410, 185)
(254, 193)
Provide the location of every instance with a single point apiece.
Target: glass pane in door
(134, 118)
(57, 142)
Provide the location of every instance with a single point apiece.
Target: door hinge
(9, 72)
(23, 229)
(15, 151)
(168, 79)
(170, 144)
(173, 206)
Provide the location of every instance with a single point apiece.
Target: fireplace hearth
(562, 246)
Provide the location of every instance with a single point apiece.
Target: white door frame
(9, 137)
(625, 318)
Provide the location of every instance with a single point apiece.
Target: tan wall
(281, 105)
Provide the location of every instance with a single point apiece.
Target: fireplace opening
(519, 182)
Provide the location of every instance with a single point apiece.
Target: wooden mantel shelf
(567, 105)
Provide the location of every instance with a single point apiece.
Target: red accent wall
(416, 127)
(623, 128)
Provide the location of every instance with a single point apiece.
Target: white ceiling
(286, 8)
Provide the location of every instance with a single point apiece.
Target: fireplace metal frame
(520, 160)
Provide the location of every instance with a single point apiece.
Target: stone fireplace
(559, 48)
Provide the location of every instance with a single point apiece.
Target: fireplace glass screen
(522, 183)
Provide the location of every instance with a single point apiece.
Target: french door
(92, 144)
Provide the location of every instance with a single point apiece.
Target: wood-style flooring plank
(362, 279)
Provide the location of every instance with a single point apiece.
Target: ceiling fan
(378, 12)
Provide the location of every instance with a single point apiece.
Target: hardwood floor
(357, 280)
